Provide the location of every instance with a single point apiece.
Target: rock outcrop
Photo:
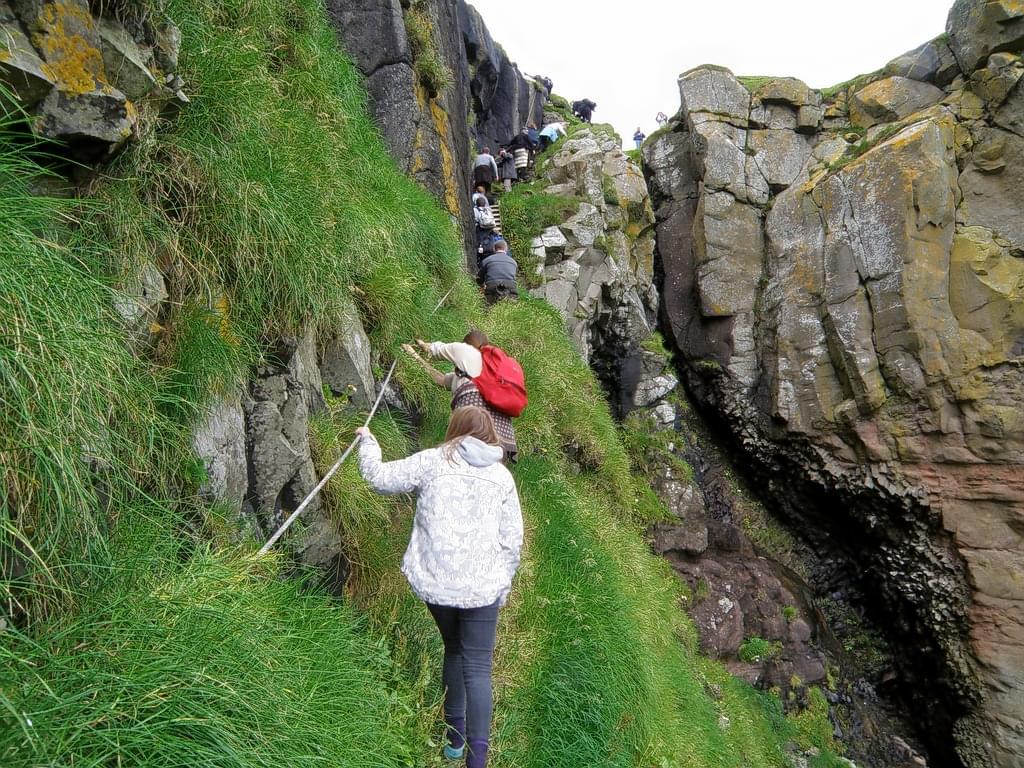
(428, 65)
(596, 268)
(84, 79)
(842, 279)
(503, 100)
(256, 448)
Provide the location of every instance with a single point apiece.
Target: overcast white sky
(626, 56)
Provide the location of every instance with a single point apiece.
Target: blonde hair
(469, 421)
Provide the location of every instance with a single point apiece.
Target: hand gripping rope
(319, 486)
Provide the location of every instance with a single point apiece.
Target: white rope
(443, 300)
(298, 511)
(319, 486)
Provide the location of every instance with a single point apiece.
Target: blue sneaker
(450, 753)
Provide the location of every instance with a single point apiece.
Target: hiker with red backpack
(484, 376)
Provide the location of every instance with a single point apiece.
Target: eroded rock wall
(85, 79)
(433, 133)
(842, 277)
(596, 268)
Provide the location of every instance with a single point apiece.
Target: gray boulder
(710, 92)
(994, 82)
(167, 45)
(890, 99)
(1010, 114)
(345, 363)
(979, 28)
(932, 62)
(283, 393)
(84, 110)
(219, 442)
(127, 65)
(140, 299)
(93, 125)
(991, 184)
(21, 68)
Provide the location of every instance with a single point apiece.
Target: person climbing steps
(467, 357)
(498, 274)
(485, 169)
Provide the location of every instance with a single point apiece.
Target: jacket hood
(478, 453)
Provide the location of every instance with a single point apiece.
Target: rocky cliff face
(596, 268)
(82, 78)
(428, 65)
(842, 276)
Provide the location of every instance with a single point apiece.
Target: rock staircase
(496, 211)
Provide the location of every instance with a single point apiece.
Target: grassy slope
(149, 639)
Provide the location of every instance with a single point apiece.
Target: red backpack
(501, 382)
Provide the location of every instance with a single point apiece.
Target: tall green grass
(209, 664)
(80, 428)
(144, 639)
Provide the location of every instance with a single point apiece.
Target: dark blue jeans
(468, 635)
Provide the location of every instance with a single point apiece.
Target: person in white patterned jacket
(463, 553)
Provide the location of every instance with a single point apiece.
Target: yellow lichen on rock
(72, 61)
(222, 311)
(451, 180)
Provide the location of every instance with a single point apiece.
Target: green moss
(655, 343)
(849, 86)
(789, 612)
(527, 211)
(611, 195)
(703, 591)
(434, 74)
(562, 108)
(754, 83)
(757, 649)
(863, 146)
(814, 727)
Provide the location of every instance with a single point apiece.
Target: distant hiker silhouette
(583, 109)
(507, 168)
(463, 553)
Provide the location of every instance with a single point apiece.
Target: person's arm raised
(436, 376)
(403, 476)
